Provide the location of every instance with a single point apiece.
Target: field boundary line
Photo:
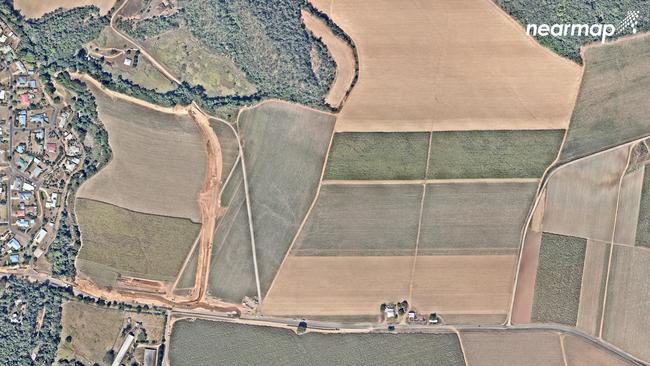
(417, 237)
(304, 220)
(460, 344)
(561, 337)
(353, 182)
(246, 192)
(185, 262)
(611, 247)
(225, 183)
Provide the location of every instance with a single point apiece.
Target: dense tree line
(64, 249)
(21, 304)
(574, 12)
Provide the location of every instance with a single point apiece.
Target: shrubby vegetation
(573, 12)
(21, 305)
(267, 40)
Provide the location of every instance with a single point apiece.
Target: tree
(68, 339)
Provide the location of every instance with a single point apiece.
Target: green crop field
(205, 343)
(132, 243)
(612, 104)
(474, 217)
(559, 278)
(492, 154)
(284, 150)
(378, 155)
(362, 220)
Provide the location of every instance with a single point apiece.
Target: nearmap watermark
(601, 30)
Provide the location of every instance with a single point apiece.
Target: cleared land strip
(429, 181)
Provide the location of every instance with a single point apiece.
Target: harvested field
(627, 216)
(342, 54)
(205, 343)
(159, 160)
(581, 197)
(133, 244)
(522, 306)
(464, 284)
(643, 228)
(369, 156)
(36, 8)
(580, 352)
(455, 285)
(626, 323)
(558, 281)
(492, 154)
(437, 72)
(612, 106)
(592, 290)
(512, 348)
(217, 74)
(462, 218)
(362, 220)
(284, 151)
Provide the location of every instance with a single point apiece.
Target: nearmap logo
(600, 30)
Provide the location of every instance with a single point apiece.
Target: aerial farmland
(324, 182)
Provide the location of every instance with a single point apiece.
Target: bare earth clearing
(449, 65)
(342, 54)
(37, 8)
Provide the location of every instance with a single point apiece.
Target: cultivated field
(492, 154)
(204, 343)
(36, 9)
(512, 348)
(228, 145)
(580, 352)
(188, 276)
(284, 149)
(342, 54)
(378, 155)
(627, 307)
(470, 217)
(643, 228)
(455, 285)
(627, 215)
(581, 197)
(611, 107)
(592, 290)
(159, 160)
(362, 220)
(131, 243)
(192, 62)
(558, 281)
(455, 65)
